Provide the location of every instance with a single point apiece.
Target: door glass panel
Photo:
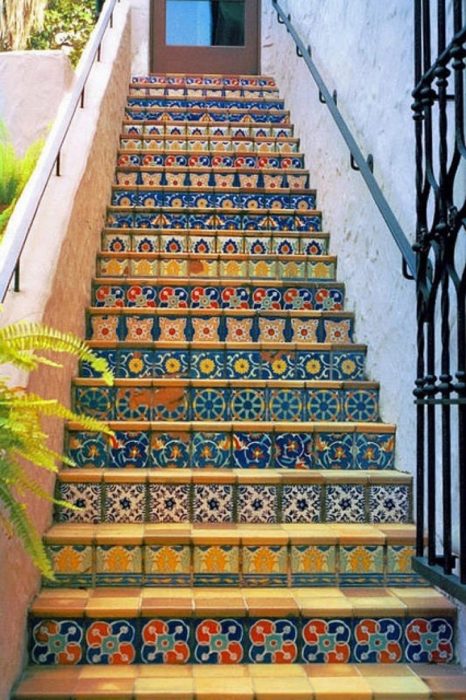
(205, 22)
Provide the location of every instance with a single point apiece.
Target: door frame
(220, 60)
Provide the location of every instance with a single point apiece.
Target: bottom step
(258, 682)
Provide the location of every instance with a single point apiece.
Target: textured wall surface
(57, 266)
(140, 22)
(364, 50)
(44, 77)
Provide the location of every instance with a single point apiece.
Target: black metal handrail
(439, 114)
(26, 209)
(358, 162)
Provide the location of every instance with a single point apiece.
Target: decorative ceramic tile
(334, 450)
(118, 564)
(361, 565)
(301, 503)
(207, 364)
(374, 451)
(378, 641)
(257, 504)
(172, 329)
(170, 403)
(324, 405)
(399, 564)
(273, 641)
(210, 450)
(104, 327)
(165, 641)
(252, 450)
(169, 503)
(361, 405)
(135, 363)
(86, 499)
(206, 329)
(139, 329)
(72, 564)
(345, 503)
(271, 330)
(95, 401)
(167, 565)
(111, 642)
(265, 565)
(129, 449)
(170, 363)
(133, 404)
(429, 641)
(277, 364)
(213, 503)
(238, 330)
(389, 504)
(125, 503)
(337, 331)
(313, 565)
(326, 641)
(170, 449)
(57, 642)
(293, 451)
(219, 642)
(248, 404)
(216, 565)
(241, 364)
(210, 404)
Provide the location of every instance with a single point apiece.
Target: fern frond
(24, 529)
(26, 337)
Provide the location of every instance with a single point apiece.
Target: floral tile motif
(216, 565)
(277, 364)
(125, 503)
(241, 364)
(265, 565)
(169, 503)
(273, 641)
(252, 450)
(378, 641)
(57, 642)
(257, 504)
(96, 401)
(374, 451)
(361, 565)
(166, 565)
(313, 565)
(286, 404)
(429, 640)
(389, 504)
(301, 503)
(135, 364)
(111, 642)
(118, 563)
(170, 363)
(210, 450)
(213, 503)
(165, 641)
(88, 450)
(72, 564)
(293, 451)
(207, 364)
(334, 450)
(345, 503)
(399, 565)
(313, 365)
(219, 642)
(326, 641)
(361, 405)
(129, 449)
(348, 365)
(86, 498)
(170, 450)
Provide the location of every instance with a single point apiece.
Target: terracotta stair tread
(223, 345)
(254, 682)
(250, 426)
(207, 533)
(276, 313)
(193, 232)
(219, 282)
(347, 602)
(233, 383)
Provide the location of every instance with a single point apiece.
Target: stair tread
(236, 383)
(246, 682)
(219, 601)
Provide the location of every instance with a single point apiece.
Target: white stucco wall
(44, 76)
(140, 22)
(364, 50)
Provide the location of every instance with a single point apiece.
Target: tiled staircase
(245, 534)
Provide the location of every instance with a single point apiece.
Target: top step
(194, 79)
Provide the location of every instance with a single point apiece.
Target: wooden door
(205, 36)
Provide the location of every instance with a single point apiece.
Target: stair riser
(221, 177)
(232, 200)
(87, 565)
(308, 296)
(223, 403)
(218, 130)
(229, 364)
(252, 243)
(204, 219)
(213, 160)
(211, 103)
(232, 116)
(200, 80)
(203, 91)
(231, 267)
(208, 143)
(288, 639)
(230, 503)
(237, 449)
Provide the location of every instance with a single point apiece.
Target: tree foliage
(18, 19)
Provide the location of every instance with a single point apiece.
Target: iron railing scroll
(357, 160)
(26, 210)
(440, 248)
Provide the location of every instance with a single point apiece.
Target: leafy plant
(14, 173)
(67, 25)
(21, 434)
(18, 18)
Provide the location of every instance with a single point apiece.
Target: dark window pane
(205, 22)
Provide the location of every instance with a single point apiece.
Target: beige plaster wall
(57, 265)
(44, 77)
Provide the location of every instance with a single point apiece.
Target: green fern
(21, 433)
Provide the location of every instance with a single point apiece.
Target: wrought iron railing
(357, 161)
(439, 97)
(26, 210)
